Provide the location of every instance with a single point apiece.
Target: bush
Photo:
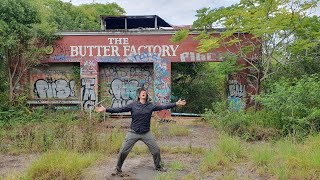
(297, 101)
(249, 124)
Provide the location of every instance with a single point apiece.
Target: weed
(60, 165)
(262, 155)
(176, 165)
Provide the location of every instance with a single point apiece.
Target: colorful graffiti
(122, 81)
(50, 88)
(123, 92)
(162, 80)
(88, 93)
(236, 93)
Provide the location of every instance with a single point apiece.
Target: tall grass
(263, 155)
(168, 130)
(60, 165)
(228, 150)
(287, 159)
(59, 131)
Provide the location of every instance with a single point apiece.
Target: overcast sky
(175, 12)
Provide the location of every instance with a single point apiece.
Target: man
(141, 112)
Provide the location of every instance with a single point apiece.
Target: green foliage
(268, 35)
(231, 147)
(65, 16)
(60, 165)
(198, 83)
(297, 101)
(27, 29)
(180, 36)
(206, 45)
(286, 159)
(229, 65)
(262, 155)
(176, 166)
(228, 150)
(249, 125)
(40, 130)
(23, 38)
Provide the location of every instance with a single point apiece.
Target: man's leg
(127, 145)
(150, 141)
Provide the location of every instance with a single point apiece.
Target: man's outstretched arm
(114, 110)
(169, 105)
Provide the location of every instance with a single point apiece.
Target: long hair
(139, 91)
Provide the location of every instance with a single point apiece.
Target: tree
(27, 29)
(276, 27)
(65, 16)
(93, 11)
(22, 40)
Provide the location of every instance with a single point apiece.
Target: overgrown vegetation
(41, 130)
(60, 165)
(199, 83)
(282, 62)
(284, 74)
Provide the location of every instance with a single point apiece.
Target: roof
(133, 22)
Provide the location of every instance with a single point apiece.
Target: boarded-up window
(120, 82)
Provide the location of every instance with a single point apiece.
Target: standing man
(141, 112)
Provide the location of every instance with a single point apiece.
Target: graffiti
(143, 57)
(62, 53)
(108, 59)
(53, 102)
(236, 89)
(89, 67)
(51, 88)
(162, 80)
(192, 56)
(236, 93)
(61, 58)
(123, 92)
(236, 103)
(88, 94)
(123, 81)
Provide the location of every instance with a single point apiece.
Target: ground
(141, 166)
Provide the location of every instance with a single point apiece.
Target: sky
(175, 12)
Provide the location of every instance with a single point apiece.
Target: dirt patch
(15, 164)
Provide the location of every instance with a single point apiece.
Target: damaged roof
(133, 22)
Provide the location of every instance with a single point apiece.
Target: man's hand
(100, 109)
(181, 102)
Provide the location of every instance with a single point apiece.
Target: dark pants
(131, 139)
